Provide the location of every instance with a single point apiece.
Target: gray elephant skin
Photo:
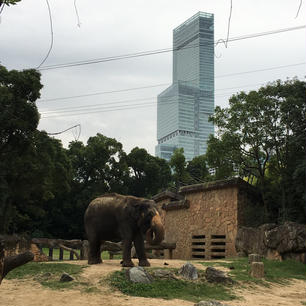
(115, 217)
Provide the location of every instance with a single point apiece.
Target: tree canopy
(45, 188)
(262, 133)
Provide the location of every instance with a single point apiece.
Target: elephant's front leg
(127, 246)
(140, 250)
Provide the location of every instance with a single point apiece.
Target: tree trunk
(9, 263)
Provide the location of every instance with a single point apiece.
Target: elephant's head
(149, 222)
(156, 233)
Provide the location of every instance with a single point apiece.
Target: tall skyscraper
(184, 107)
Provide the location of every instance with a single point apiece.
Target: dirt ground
(31, 293)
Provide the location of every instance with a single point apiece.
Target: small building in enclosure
(203, 219)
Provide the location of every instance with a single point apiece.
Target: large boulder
(188, 271)
(273, 241)
(250, 240)
(287, 238)
(213, 275)
(139, 275)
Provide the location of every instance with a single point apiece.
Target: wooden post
(50, 254)
(257, 269)
(61, 254)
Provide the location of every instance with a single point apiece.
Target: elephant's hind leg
(94, 254)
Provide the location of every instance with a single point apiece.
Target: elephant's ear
(135, 209)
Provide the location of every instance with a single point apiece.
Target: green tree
(97, 168)
(148, 174)
(178, 165)
(43, 175)
(18, 123)
(197, 169)
(100, 166)
(8, 2)
(258, 133)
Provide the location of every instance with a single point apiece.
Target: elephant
(115, 217)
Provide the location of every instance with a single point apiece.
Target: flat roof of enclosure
(194, 17)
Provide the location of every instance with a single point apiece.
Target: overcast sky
(111, 28)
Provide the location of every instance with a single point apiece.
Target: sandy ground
(31, 293)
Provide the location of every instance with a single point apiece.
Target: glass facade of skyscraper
(184, 107)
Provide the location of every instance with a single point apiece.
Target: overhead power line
(160, 51)
(99, 105)
(110, 107)
(76, 137)
(51, 32)
(164, 84)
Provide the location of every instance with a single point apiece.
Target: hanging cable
(58, 133)
(77, 14)
(297, 13)
(160, 51)
(163, 84)
(229, 23)
(51, 32)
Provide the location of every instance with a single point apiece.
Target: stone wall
(203, 219)
(14, 245)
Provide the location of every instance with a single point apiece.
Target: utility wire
(229, 23)
(160, 51)
(58, 133)
(104, 108)
(102, 93)
(77, 14)
(164, 84)
(297, 14)
(51, 31)
(99, 105)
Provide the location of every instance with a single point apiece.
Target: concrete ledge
(176, 205)
(167, 195)
(238, 182)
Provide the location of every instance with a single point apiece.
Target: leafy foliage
(45, 188)
(262, 133)
(149, 174)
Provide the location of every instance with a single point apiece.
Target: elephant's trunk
(156, 233)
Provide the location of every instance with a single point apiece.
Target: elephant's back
(106, 205)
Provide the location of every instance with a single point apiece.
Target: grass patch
(48, 274)
(91, 290)
(275, 271)
(171, 289)
(35, 268)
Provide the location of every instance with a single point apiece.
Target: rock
(213, 275)
(255, 258)
(66, 277)
(164, 274)
(139, 275)
(257, 269)
(289, 237)
(273, 241)
(251, 240)
(188, 271)
(210, 303)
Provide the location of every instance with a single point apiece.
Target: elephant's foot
(94, 261)
(144, 263)
(127, 263)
